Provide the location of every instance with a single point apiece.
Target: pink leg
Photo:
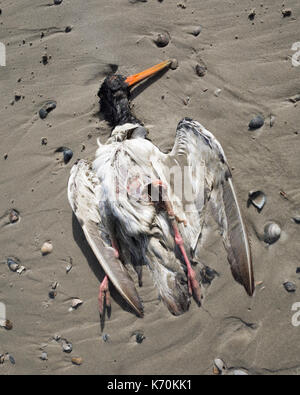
(104, 295)
(194, 287)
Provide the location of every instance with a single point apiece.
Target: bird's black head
(114, 95)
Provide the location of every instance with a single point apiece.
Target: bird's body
(138, 206)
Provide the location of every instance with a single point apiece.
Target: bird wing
(207, 175)
(83, 194)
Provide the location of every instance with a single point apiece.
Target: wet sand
(251, 62)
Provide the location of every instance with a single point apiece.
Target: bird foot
(104, 296)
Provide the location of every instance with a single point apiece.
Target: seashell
(200, 70)
(47, 248)
(52, 294)
(252, 14)
(289, 286)
(67, 347)
(77, 361)
(54, 285)
(68, 29)
(57, 337)
(295, 99)
(21, 269)
(258, 199)
(272, 233)
(162, 40)
(44, 141)
(2, 359)
(68, 267)
(11, 359)
(217, 92)
(47, 107)
(256, 122)
(286, 12)
(67, 152)
(296, 219)
(139, 336)
(57, 2)
(7, 324)
(76, 303)
(219, 366)
(13, 265)
(44, 356)
(105, 337)
(272, 120)
(13, 216)
(197, 31)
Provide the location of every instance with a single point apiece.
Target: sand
(251, 62)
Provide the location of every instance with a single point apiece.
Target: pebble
(258, 199)
(67, 153)
(14, 216)
(47, 107)
(200, 70)
(256, 122)
(18, 96)
(77, 361)
(162, 40)
(289, 286)
(44, 141)
(47, 248)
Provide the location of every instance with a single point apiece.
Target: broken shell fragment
(200, 70)
(296, 219)
(7, 324)
(67, 153)
(44, 356)
(76, 303)
(13, 216)
(272, 233)
(258, 199)
(47, 248)
(21, 269)
(77, 361)
(289, 286)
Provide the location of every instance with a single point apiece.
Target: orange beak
(135, 78)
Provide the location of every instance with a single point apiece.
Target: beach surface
(251, 69)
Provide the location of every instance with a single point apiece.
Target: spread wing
(83, 195)
(209, 178)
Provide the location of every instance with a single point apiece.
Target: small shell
(296, 219)
(77, 361)
(219, 366)
(47, 248)
(162, 40)
(272, 120)
(13, 265)
(200, 70)
(258, 199)
(272, 233)
(11, 359)
(286, 12)
(197, 31)
(67, 153)
(14, 216)
(252, 14)
(21, 269)
(256, 122)
(52, 294)
(105, 337)
(67, 347)
(69, 267)
(8, 325)
(76, 303)
(44, 356)
(47, 107)
(2, 359)
(289, 286)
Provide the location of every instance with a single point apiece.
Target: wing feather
(83, 195)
